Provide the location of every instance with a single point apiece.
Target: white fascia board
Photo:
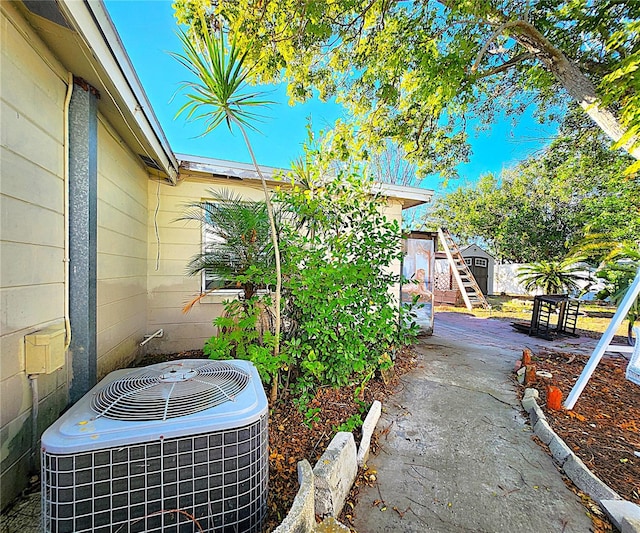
(93, 23)
(410, 196)
(222, 167)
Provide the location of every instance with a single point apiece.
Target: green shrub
(344, 321)
(240, 336)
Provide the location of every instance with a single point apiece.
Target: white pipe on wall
(35, 407)
(147, 338)
(65, 185)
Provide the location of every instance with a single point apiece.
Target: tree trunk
(276, 251)
(579, 87)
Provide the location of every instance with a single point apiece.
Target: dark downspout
(83, 207)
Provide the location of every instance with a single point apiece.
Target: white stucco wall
(505, 281)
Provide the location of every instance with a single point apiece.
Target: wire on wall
(155, 226)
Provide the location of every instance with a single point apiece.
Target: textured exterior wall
(169, 288)
(393, 211)
(31, 237)
(122, 252)
(33, 88)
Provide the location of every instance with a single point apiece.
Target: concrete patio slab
(458, 455)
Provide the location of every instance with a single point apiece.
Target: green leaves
(545, 205)
(237, 248)
(242, 335)
(216, 96)
(337, 278)
(420, 72)
(552, 277)
(220, 73)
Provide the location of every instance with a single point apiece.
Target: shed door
(479, 267)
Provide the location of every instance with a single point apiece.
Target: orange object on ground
(554, 398)
(526, 357)
(530, 374)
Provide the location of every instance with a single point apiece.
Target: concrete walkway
(458, 455)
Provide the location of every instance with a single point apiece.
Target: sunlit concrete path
(458, 454)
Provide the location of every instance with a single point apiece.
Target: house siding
(31, 239)
(122, 252)
(393, 211)
(33, 89)
(169, 287)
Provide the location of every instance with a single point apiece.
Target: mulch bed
(293, 437)
(603, 429)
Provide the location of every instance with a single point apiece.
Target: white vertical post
(605, 340)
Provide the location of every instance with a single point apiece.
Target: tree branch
(499, 30)
(506, 65)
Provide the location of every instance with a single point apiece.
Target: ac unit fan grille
(170, 390)
(217, 479)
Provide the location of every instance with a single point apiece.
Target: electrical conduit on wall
(65, 178)
(33, 378)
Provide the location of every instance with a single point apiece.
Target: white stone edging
(368, 427)
(324, 489)
(621, 512)
(334, 474)
(301, 518)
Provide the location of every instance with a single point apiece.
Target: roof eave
(232, 169)
(92, 22)
(408, 196)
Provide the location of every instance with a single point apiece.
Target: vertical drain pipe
(65, 185)
(83, 200)
(35, 408)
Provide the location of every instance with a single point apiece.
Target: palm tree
(619, 270)
(218, 95)
(552, 277)
(619, 263)
(238, 239)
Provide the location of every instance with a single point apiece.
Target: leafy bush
(242, 335)
(343, 319)
(618, 274)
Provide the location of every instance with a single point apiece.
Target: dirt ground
(603, 429)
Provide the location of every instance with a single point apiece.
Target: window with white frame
(210, 239)
(235, 237)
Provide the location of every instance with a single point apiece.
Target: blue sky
(148, 30)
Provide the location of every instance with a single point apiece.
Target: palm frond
(220, 73)
(239, 236)
(552, 277)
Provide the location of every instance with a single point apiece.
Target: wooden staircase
(471, 293)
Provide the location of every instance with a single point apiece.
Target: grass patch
(594, 316)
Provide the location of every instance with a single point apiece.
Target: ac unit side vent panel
(220, 480)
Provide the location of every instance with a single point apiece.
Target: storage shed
(481, 265)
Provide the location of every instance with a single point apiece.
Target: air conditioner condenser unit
(172, 447)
